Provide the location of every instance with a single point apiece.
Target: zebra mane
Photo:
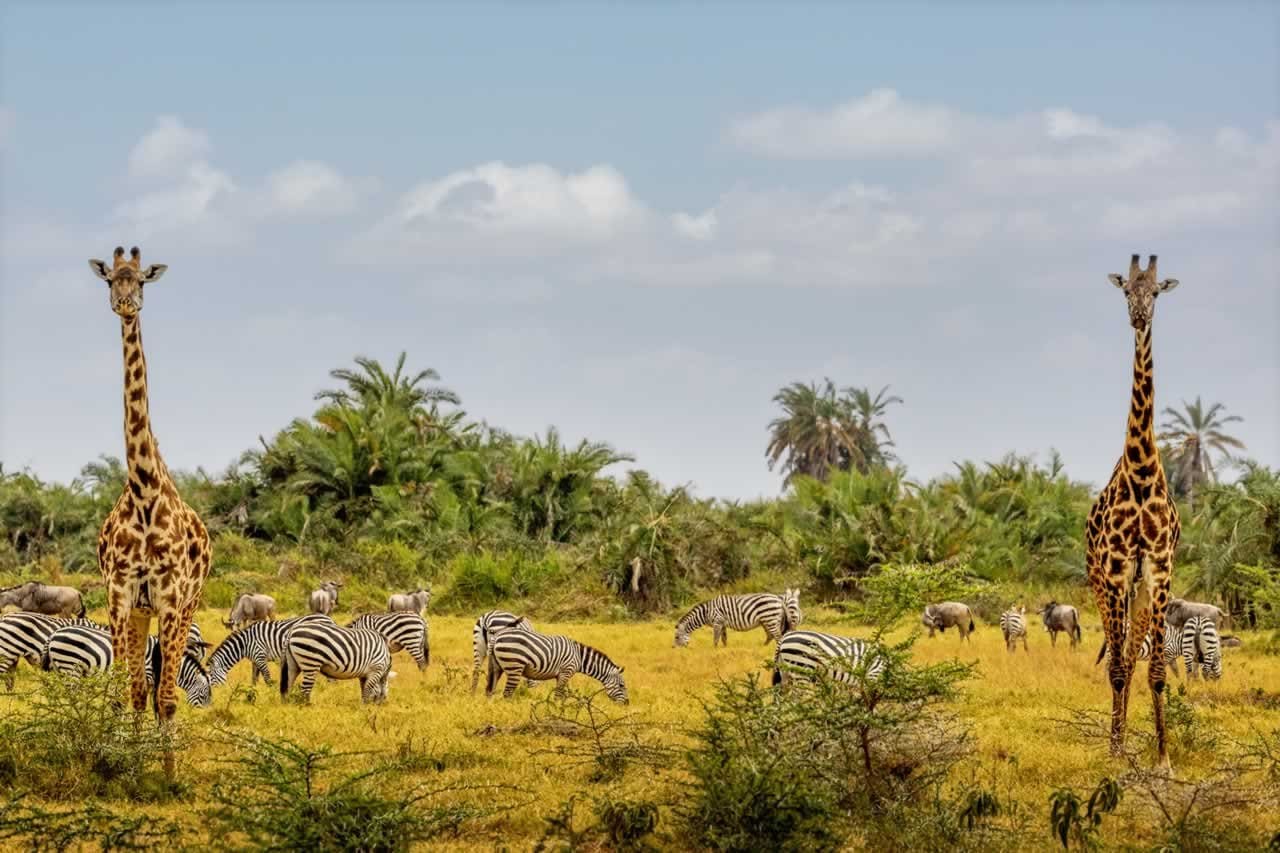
(698, 612)
(595, 663)
(235, 641)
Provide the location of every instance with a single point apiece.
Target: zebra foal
(540, 657)
(801, 654)
(321, 648)
(776, 614)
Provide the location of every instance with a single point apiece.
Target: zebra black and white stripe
(1013, 624)
(321, 648)
(486, 626)
(1200, 645)
(1172, 649)
(800, 654)
(539, 657)
(24, 635)
(81, 649)
(404, 630)
(260, 642)
(774, 613)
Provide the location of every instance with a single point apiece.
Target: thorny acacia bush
(279, 795)
(74, 738)
(598, 736)
(40, 829)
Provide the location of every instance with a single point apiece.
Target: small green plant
(75, 738)
(1073, 820)
(279, 795)
(41, 829)
(623, 825)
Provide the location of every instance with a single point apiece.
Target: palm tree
(817, 432)
(873, 434)
(371, 384)
(1190, 437)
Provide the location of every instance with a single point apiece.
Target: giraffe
(1133, 529)
(153, 550)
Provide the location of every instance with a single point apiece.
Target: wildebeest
(324, 599)
(411, 602)
(251, 607)
(1180, 610)
(36, 597)
(948, 614)
(1061, 617)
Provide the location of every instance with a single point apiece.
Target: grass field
(1011, 705)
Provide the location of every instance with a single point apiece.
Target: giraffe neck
(146, 470)
(1140, 439)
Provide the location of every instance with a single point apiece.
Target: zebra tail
(777, 676)
(286, 662)
(492, 674)
(426, 650)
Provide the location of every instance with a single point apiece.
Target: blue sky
(637, 223)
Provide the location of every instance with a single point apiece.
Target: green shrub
(485, 580)
(42, 829)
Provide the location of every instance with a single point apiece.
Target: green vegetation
(389, 485)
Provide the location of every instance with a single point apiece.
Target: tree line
(389, 478)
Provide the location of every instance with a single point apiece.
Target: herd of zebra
(315, 644)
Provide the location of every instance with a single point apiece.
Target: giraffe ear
(99, 269)
(153, 272)
(1167, 285)
(1117, 280)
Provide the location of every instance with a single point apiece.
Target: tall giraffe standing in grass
(1133, 527)
(153, 550)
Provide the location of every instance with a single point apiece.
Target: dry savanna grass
(1013, 706)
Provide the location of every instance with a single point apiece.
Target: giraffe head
(1141, 289)
(126, 278)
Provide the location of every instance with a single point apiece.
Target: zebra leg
(476, 657)
(1024, 644)
(513, 681)
(418, 658)
(562, 683)
(305, 683)
(260, 666)
(8, 669)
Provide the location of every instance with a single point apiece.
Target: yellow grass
(1011, 707)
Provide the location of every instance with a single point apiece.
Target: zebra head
(615, 687)
(682, 636)
(195, 682)
(376, 690)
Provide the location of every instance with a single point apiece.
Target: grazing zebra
(1200, 644)
(259, 642)
(404, 630)
(23, 636)
(741, 613)
(82, 649)
(1013, 624)
(539, 657)
(320, 648)
(811, 651)
(487, 625)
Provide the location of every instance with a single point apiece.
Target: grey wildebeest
(410, 602)
(36, 597)
(948, 614)
(1061, 617)
(1180, 610)
(251, 607)
(324, 599)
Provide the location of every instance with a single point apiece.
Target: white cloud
(309, 186)
(700, 227)
(180, 206)
(876, 124)
(168, 149)
(530, 198)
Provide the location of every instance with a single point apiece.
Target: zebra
(23, 636)
(404, 630)
(1013, 624)
(320, 648)
(802, 653)
(739, 612)
(487, 625)
(1172, 649)
(1200, 644)
(259, 642)
(82, 649)
(539, 657)
(791, 609)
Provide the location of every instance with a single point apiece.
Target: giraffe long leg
(175, 627)
(1161, 571)
(1109, 591)
(136, 657)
